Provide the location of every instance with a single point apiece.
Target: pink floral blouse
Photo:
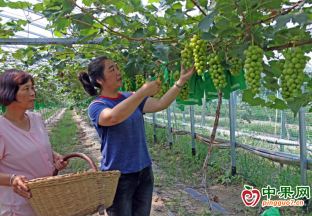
(23, 153)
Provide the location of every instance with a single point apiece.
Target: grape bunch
(292, 76)
(237, 66)
(253, 66)
(187, 57)
(128, 84)
(281, 64)
(139, 80)
(161, 76)
(164, 88)
(199, 52)
(176, 75)
(185, 92)
(216, 71)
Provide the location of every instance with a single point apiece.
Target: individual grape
(139, 80)
(199, 50)
(237, 66)
(216, 71)
(253, 66)
(292, 73)
(128, 84)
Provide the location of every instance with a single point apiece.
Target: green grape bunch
(128, 84)
(253, 66)
(187, 57)
(216, 71)
(281, 64)
(176, 75)
(292, 74)
(139, 80)
(157, 71)
(164, 88)
(199, 51)
(237, 66)
(185, 92)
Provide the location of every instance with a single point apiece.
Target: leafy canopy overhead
(136, 35)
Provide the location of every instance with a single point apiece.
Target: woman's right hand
(19, 186)
(151, 88)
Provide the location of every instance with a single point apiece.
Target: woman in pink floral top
(25, 150)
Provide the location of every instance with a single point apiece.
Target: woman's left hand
(60, 164)
(185, 74)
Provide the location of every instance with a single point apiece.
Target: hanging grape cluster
(253, 66)
(164, 88)
(176, 75)
(237, 66)
(128, 84)
(291, 79)
(281, 64)
(139, 80)
(199, 51)
(187, 57)
(216, 71)
(185, 92)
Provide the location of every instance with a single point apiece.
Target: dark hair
(10, 80)
(95, 71)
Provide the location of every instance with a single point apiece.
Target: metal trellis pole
(183, 120)
(169, 127)
(282, 131)
(232, 108)
(175, 117)
(303, 145)
(154, 127)
(203, 110)
(192, 129)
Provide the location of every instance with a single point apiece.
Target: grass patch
(180, 165)
(64, 140)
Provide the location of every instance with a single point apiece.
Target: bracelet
(182, 87)
(12, 179)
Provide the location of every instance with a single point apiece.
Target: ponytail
(87, 85)
(95, 72)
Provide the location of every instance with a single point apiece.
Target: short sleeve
(95, 110)
(2, 147)
(141, 106)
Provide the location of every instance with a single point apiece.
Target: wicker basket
(78, 193)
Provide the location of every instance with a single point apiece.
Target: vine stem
(212, 137)
(246, 24)
(263, 21)
(282, 47)
(212, 48)
(107, 28)
(201, 10)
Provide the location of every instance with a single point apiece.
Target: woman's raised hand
(151, 88)
(186, 74)
(19, 186)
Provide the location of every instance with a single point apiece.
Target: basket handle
(74, 154)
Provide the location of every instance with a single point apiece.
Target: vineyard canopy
(136, 34)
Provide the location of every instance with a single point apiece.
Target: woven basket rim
(72, 175)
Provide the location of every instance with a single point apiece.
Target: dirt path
(90, 145)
